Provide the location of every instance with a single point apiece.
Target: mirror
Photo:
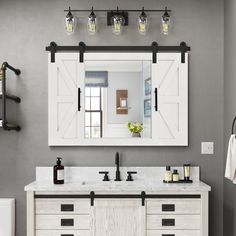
(118, 99)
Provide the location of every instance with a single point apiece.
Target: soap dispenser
(58, 172)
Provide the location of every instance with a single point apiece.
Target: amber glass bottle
(58, 172)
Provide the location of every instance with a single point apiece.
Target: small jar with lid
(175, 176)
(168, 174)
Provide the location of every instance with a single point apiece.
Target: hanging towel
(230, 169)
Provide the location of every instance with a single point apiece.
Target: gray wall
(28, 26)
(230, 111)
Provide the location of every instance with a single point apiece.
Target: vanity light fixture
(165, 22)
(92, 23)
(143, 22)
(117, 22)
(117, 19)
(70, 23)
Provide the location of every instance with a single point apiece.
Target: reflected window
(93, 112)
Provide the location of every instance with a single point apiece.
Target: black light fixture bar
(154, 48)
(136, 10)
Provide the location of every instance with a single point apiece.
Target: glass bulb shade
(92, 24)
(70, 24)
(143, 23)
(165, 23)
(117, 26)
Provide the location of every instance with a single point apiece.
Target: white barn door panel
(64, 81)
(171, 120)
(119, 218)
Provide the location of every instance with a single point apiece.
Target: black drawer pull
(67, 207)
(168, 207)
(168, 234)
(73, 235)
(67, 222)
(168, 222)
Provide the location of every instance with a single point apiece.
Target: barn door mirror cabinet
(125, 96)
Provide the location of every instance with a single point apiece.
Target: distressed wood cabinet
(160, 215)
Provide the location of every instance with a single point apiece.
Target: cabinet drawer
(65, 206)
(62, 221)
(62, 233)
(173, 233)
(174, 206)
(173, 222)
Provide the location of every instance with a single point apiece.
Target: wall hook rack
(5, 96)
(154, 48)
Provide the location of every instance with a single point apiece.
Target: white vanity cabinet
(143, 207)
(161, 105)
(160, 215)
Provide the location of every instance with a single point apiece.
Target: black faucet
(117, 162)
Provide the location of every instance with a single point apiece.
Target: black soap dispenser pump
(58, 172)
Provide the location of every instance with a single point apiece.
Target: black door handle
(168, 222)
(168, 207)
(67, 222)
(67, 207)
(156, 105)
(79, 92)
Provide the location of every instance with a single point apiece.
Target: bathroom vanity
(88, 206)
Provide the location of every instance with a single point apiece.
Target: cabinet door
(170, 121)
(119, 217)
(64, 82)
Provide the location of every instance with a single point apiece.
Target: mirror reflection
(118, 100)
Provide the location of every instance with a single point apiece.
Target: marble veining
(85, 179)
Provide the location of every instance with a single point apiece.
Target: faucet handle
(130, 173)
(105, 173)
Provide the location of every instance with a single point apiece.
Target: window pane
(95, 118)
(95, 92)
(87, 132)
(96, 132)
(95, 103)
(87, 91)
(87, 103)
(87, 119)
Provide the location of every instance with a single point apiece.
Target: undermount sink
(115, 184)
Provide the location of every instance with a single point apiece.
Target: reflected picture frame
(147, 108)
(147, 86)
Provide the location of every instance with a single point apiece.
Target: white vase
(136, 135)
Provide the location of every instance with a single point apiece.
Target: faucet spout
(117, 162)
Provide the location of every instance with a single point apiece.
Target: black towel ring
(232, 132)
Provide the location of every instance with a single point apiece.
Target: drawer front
(174, 206)
(173, 222)
(62, 221)
(173, 233)
(62, 233)
(59, 206)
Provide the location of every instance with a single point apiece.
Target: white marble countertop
(87, 179)
(134, 187)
